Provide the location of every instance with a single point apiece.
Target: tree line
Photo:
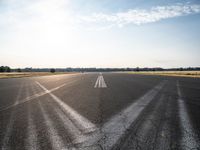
(69, 69)
(8, 69)
(5, 69)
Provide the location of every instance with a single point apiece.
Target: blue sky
(93, 33)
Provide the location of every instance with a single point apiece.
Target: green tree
(7, 69)
(52, 70)
(2, 69)
(137, 69)
(19, 70)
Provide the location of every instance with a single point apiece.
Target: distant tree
(2, 69)
(7, 69)
(137, 69)
(19, 70)
(28, 69)
(128, 69)
(52, 70)
(181, 69)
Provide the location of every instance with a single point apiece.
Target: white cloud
(54, 13)
(141, 16)
(46, 30)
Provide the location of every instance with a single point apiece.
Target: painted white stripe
(9, 128)
(31, 140)
(189, 137)
(97, 82)
(56, 140)
(68, 124)
(117, 125)
(81, 122)
(32, 135)
(100, 83)
(103, 83)
(31, 97)
(76, 135)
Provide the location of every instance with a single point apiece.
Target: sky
(99, 33)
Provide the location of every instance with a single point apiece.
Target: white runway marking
(31, 140)
(81, 122)
(76, 125)
(32, 135)
(75, 134)
(68, 124)
(100, 83)
(31, 97)
(189, 138)
(97, 82)
(56, 141)
(117, 125)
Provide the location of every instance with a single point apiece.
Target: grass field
(29, 74)
(195, 74)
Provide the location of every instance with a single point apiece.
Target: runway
(100, 111)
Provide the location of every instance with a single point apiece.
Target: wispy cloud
(141, 16)
(49, 12)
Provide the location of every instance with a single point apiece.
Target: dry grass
(29, 74)
(194, 74)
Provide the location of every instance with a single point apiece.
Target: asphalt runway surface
(95, 111)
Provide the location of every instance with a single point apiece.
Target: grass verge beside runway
(193, 74)
(29, 74)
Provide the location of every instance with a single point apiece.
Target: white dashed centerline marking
(100, 83)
